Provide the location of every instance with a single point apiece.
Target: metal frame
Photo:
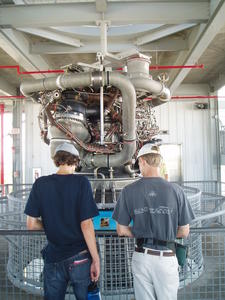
(22, 266)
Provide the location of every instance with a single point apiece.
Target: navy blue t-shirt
(62, 202)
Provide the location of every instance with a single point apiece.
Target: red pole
(190, 97)
(2, 143)
(172, 67)
(177, 67)
(197, 97)
(32, 72)
(9, 97)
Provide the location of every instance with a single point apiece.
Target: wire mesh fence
(202, 277)
(207, 282)
(207, 186)
(21, 266)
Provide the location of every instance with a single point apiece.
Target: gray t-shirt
(156, 207)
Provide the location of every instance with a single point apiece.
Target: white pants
(155, 277)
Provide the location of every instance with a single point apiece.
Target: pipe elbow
(23, 90)
(165, 94)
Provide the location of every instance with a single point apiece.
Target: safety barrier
(201, 278)
(21, 275)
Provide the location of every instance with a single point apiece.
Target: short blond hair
(153, 159)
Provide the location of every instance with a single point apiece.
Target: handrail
(20, 232)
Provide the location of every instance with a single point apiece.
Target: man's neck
(152, 172)
(65, 169)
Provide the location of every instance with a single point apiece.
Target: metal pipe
(64, 81)
(103, 29)
(120, 81)
(155, 87)
(129, 170)
(128, 120)
(138, 70)
(102, 134)
(2, 108)
(176, 67)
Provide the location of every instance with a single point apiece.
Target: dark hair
(65, 158)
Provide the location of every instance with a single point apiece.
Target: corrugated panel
(191, 128)
(37, 152)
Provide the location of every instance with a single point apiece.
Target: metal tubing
(154, 87)
(128, 121)
(66, 81)
(2, 108)
(103, 29)
(101, 117)
(128, 115)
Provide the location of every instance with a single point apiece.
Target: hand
(95, 270)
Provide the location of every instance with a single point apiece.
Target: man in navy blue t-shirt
(62, 204)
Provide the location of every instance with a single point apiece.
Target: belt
(153, 252)
(83, 252)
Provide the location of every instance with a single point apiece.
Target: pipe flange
(96, 79)
(59, 83)
(92, 161)
(165, 94)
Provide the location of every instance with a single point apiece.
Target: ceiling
(39, 35)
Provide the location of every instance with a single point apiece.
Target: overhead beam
(216, 22)
(218, 82)
(18, 2)
(166, 44)
(16, 45)
(6, 88)
(161, 32)
(52, 35)
(141, 12)
(101, 6)
(113, 31)
(182, 55)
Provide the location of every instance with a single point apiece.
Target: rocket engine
(104, 114)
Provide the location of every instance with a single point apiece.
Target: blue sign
(104, 221)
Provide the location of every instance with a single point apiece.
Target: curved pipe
(63, 82)
(129, 170)
(154, 87)
(66, 81)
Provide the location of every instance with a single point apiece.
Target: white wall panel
(190, 127)
(37, 152)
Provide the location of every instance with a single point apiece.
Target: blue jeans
(75, 269)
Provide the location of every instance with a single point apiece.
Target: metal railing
(21, 274)
(203, 276)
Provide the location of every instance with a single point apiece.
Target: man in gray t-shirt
(160, 212)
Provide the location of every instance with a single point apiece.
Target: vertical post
(101, 116)
(103, 29)
(17, 145)
(2, 107)
(215, 143)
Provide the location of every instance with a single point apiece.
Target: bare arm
(34, 223)
(89, 236)
(183, 231)
(124, 230)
